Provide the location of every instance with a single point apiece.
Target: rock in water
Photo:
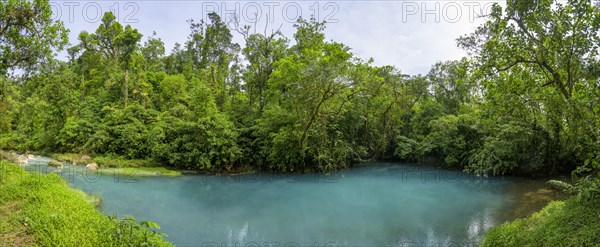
(84, 159)
(55, 163)
(22, 159)
(92, 166)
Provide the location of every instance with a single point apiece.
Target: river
(375, 204)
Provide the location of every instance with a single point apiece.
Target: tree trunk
(313, 117)
(126, 88)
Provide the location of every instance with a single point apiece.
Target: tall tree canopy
(28, 34)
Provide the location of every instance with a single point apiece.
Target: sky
(410, 35)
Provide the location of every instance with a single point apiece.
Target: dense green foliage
(559, 224)
(41, 210)
(526, 101)
(27, 34)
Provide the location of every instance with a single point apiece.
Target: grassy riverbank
(139, 171)
(104, 161)
(43, 210)
(568, 223)
(119, 166)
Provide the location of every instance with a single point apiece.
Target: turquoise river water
(375, 204)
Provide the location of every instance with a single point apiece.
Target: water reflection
(480, 224)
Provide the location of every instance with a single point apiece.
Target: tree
(212, 52)
(555, 40)
(542, 58)
(261, 52)
(451, 84)
(28, 34)
(113, 41)
(307, 89)
(153, 51)
(107, 57)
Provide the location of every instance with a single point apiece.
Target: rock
(22, 160)
(84, 159)
(55, 163)
(92, 166)
(30, 156)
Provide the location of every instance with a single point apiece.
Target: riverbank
(103, 161)
(141, 167)
(561, 223)
(43, 210)
(125, 167)
(107, 164)
(139, 171)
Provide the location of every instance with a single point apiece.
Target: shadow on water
(526, 196)
(377, 204)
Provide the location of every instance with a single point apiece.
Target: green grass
(94, 200)
(117, 162)
(139, 171)
(42, 210)
(569, 223)
(106, 160)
